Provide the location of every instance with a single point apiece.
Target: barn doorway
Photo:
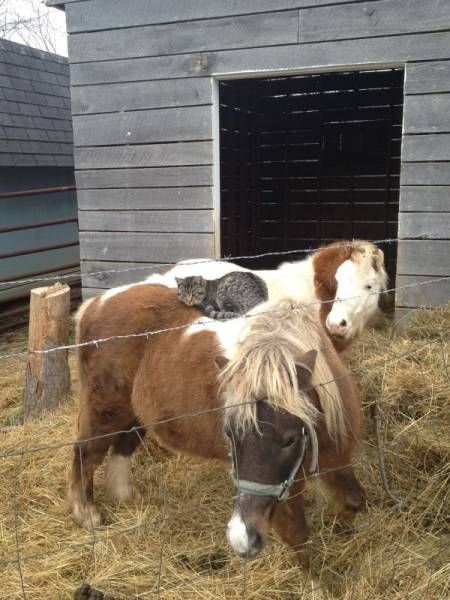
(309, 159)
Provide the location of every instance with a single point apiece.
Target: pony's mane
(264, 366)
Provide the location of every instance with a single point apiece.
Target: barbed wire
(159, 266)
(204, 321)
(160, 586)
(111, 534)
(206, 411)
(163, 587)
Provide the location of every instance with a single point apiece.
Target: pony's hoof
(86, 516)
(126, 495)
(133, 496)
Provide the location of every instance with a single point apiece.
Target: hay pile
(390, 554)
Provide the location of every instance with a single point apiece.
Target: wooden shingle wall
(142, 100)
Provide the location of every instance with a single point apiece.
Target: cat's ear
(221, 361)
(179, 280)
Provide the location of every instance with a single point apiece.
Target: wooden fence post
(47, 376)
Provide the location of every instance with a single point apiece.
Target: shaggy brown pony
(278, 365)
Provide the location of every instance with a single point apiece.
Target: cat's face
(191, 290)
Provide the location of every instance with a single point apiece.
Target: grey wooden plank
(426, 148)
(426, 113)
(88, 292)
(394, 50)
(147, 199)
(431, 294)
(92, 16)
(373, 19)
(266, 29)
(145, 178)
(147, 155)
(423, 257)
(425, 174)
(424, 225)
(425, 198)
(154, 247)
(146, 126)
(140, 95)
(427, 77)
(98, 273)
(179, 221)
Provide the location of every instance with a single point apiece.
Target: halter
(279, 491)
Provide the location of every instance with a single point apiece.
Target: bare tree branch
(28, 22)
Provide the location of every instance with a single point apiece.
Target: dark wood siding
(310, 159)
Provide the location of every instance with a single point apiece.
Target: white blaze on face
(356, 302)
(237, 534)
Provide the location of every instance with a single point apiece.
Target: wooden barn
(213, 128)
(38, 211)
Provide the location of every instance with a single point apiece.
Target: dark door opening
(310, 159)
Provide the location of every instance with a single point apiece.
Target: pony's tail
(79, 337)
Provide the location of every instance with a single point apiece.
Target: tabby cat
(226, 298)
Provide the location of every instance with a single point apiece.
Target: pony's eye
(368, 287)
(289, 442)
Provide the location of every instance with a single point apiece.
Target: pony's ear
(221, 361)
(305, 366)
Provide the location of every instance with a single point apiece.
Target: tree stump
(47, 375)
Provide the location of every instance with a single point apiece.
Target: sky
(53, 23)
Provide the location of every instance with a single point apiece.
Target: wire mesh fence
(171, 544)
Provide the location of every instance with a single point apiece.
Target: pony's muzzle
(248, 528)
(245, 540)
(338, 327)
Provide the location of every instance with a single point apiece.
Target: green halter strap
(279, 491)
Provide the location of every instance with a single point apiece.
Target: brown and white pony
(351, 272)
(270, 405)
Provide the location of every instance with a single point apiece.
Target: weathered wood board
(421, 198)
(145, 155)
(430, 294)
(170, 221)
(146, 177)
(91, 15)
(417, 257)
(427, 113)
(139, 95)
(425, 225)
(146, 126)
(146, 199)
(373, 19)
(105, 274)
(427, 77)
(265, 29)
(426, 174)
(147, 247)
(426, 148)
(248, 62)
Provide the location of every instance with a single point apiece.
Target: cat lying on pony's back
(229, 296)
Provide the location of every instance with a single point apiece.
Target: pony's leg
(118, 474)
(87, 457)
(289, 522)
(347, 490)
